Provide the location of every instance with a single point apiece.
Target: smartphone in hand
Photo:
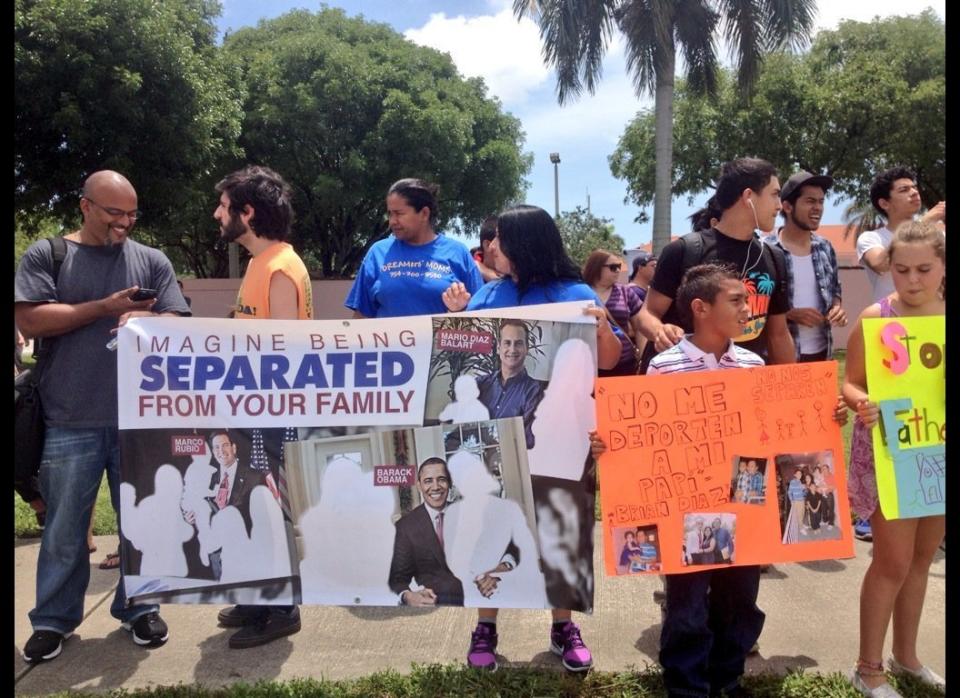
(144, 294)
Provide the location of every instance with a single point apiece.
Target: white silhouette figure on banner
(238, 559)
(196, 490)
(565, 415)
(268, 535)
(161, 544)
(348, 539)
(467, 407)
(479, 532)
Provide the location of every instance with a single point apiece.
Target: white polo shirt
(687, 356)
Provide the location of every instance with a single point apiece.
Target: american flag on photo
(259, 461)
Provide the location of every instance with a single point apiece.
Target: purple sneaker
(568, 644)
(483, 645)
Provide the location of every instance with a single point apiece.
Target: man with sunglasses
(76, 312)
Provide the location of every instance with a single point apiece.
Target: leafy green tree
(137, 86)
(868, 96)
(582, 233)
(576, 34)
(342, 108)
(27, 231)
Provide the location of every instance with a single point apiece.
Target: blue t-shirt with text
(397, 279)
(503, 293)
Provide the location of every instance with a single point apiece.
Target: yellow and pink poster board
(732, 467)
(905, 359)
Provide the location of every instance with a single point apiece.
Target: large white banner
(425, 460)
(199, 372)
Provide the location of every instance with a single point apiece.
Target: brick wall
(215, 298)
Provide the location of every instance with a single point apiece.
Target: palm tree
(859, 217)
(575, 34)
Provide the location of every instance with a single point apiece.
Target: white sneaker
(884, 690)
(924, 673)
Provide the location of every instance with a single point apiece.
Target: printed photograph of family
(806, 487)
(748, 485)
(640, 549)
(708, 539)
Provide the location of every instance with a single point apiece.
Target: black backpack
(28, 425)
(694, 251)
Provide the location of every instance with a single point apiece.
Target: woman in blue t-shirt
(406, 273)
(536, 269)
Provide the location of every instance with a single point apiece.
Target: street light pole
(555, 159)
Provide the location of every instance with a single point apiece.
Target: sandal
(111, 563)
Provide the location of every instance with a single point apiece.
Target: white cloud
(498, 48)
(598, 119)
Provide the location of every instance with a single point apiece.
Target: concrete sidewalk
(812, 620)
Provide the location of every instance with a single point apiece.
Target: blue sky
(484, 39)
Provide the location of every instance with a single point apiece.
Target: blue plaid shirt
(828, 281)
(754, 487)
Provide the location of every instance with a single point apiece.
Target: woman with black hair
(405, 273)
(536, 269)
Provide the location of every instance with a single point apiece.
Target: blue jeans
(70, 473)
(712, 621)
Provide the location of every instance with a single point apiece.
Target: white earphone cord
(745, 270)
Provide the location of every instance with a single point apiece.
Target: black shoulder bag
(28, 425)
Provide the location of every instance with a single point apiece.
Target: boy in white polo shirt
(711, 619)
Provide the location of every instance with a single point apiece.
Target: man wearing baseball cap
(644, 264)
(812, 278)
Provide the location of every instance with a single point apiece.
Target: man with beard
(812, 276)
(255, 211)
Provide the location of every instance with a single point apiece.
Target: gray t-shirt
(78, 388)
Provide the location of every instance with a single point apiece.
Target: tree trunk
(663, 138)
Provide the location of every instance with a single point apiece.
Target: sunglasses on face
(613, 267)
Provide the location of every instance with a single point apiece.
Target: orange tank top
(253, 299)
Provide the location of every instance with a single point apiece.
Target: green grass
(104, 519)
(457, 680)
(25, 521)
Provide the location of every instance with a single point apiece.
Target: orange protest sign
(741, 467)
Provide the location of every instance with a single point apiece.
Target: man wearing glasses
(76, 314)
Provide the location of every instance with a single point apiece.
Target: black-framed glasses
(614, 267)
(117, 212)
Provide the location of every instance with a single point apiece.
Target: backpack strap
(692, 246)
(779, 262)
(58, 247)
(692, 251)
